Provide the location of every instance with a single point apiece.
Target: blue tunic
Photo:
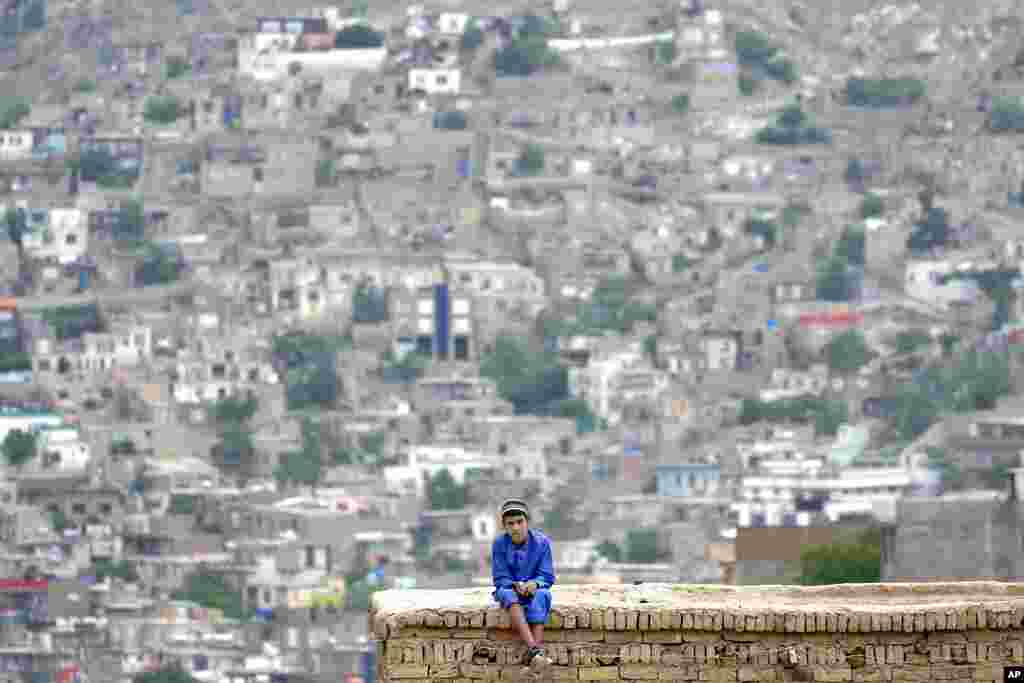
(530, 561)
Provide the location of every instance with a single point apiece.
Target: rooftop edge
(845, 608)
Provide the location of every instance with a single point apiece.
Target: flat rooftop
(906, 607)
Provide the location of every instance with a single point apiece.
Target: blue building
(697, 479)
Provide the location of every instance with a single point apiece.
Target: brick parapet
(870, 632)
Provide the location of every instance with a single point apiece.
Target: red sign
(19, 585)
(1015, 337)
(834, 319)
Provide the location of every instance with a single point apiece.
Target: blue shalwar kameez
(530, 561)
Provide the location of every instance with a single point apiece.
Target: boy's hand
(517, 586)
(530, 587)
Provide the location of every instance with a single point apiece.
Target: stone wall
(869, 632)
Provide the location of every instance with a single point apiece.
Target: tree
(18, 447)
(171, 675)
(609, 551)
(746, 85)
(162, 264)
(847, 353)
(305, 465)
(872, 206)
(103, 568)
(909, 341)
(531, 160)
(444, 493)
(211, 590)
(835, 282)
(162, 109)
(359, 593)
(665, 52)
(859, 562)
(130, 225)
(950, 472)
(234, 410)
(681, 103)
(16, 222)
(176, 67)
(642, 546)
(13, 110)
(534, 382)
(579, 410)
(850, 248)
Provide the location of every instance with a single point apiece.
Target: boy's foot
(537, 659)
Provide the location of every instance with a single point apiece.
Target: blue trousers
(535, 607)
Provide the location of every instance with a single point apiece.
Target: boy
(523, 572)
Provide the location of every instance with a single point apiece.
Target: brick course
(885, 633)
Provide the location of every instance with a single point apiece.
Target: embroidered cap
(514, 505)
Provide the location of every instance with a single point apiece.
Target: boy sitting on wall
(523, 572)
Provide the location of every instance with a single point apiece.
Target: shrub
(162, 109)
(681, 103)
(883, 92)
(747, 85)
(872, 206)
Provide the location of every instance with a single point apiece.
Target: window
(106, 509)
(441, 80)
(78, 509)
(257, 174)
(71, 239)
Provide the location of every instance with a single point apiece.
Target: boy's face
(516, 526)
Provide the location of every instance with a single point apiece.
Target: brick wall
(881, 632)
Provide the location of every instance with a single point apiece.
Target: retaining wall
(869, 632)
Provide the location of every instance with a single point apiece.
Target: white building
(439, 81)
(16, 145)
(424, 462)
(268, 57)
(62, 449)
(58, 234)
(452, 23)
(26, 421)
(615, 377)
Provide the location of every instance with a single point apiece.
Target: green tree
(747, 85)
(234, 409)
(642, 546)
(859, 562)
(664, 52)
(13, 110)
(533, 381)
(162, 109)
(909, 341)
(326, 173)
(834, 281)
(170, 675)
(850, 248)
(445, 493)
(103, 568)
(305, 465)
(872, 206)
(847, 353)
(85, 85)
(19, 447)
(182, 504)
(609, 551)
(130, 225)
(681, 103)
(176, 67)
(59, 521)
(16, 222)
(531, 160)
(579, 410)
(211, 590)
